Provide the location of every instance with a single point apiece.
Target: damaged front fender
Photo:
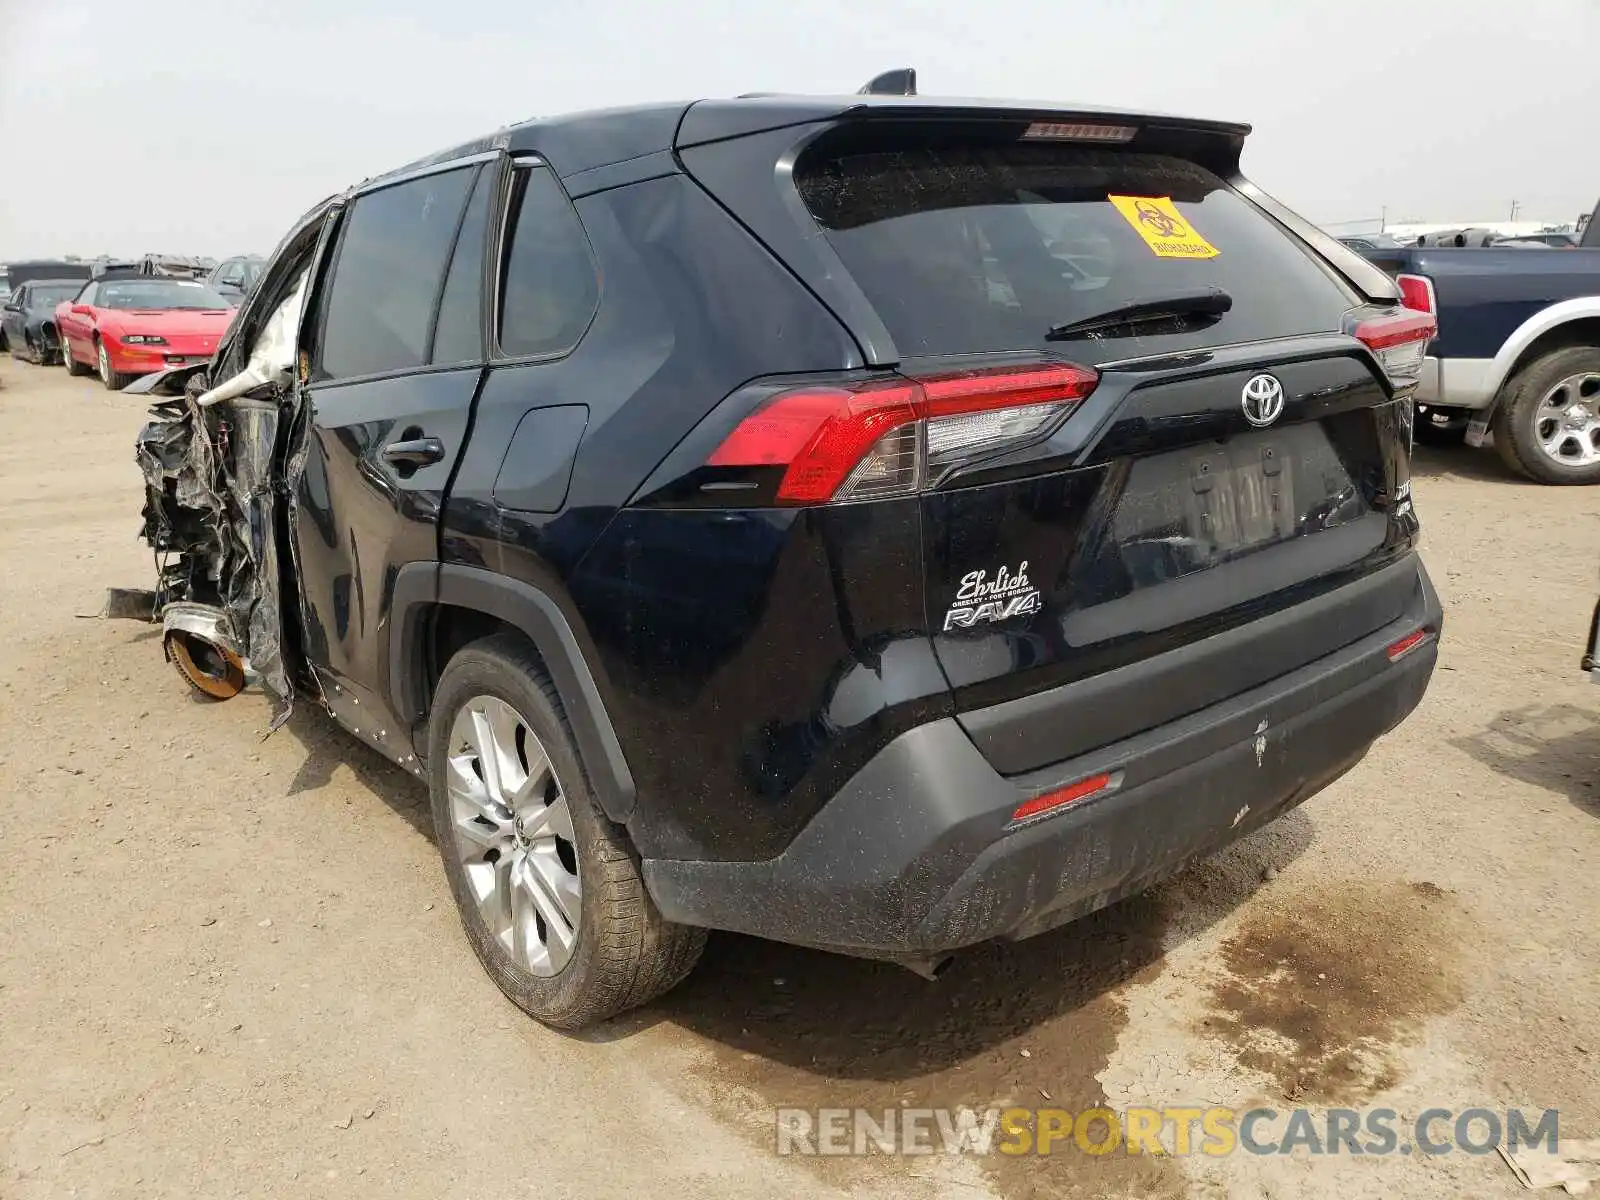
(210, 460)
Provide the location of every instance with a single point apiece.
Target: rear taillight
(1416, 291)
(892, 437)
(1400, 342)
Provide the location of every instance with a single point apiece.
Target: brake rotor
(210, 669)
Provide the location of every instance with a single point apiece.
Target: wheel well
(1582, 332)
(451, 628)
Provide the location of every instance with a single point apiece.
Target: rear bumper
(917, 855)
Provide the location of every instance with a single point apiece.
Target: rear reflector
(1400, 342)
(1410, 642)
(890, 437)
(1062, 797)
(1057, 131)
(1416, 292)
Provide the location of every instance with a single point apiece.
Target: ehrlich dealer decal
(981, 600)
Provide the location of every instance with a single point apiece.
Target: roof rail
(902, 81)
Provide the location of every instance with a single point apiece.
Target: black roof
(577, 142)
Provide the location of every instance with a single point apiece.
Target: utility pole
(1513, 210)
(1383, 219)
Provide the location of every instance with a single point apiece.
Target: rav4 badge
(981, 600)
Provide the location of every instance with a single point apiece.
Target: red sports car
(128, 327)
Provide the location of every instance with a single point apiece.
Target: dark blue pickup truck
(1518, 351)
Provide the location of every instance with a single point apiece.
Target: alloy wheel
(512, 826)
(104, 360)
(1566, 423)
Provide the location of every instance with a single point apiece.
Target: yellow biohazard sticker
(1157, 220)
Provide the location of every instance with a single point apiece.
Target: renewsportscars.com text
(1180, 1130)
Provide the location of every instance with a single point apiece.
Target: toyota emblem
(1262, 400)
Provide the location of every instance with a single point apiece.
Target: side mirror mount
(82, 310)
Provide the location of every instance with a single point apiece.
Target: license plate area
(1196, 509)
(1243, 496)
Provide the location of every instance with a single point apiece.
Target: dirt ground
(230, 967)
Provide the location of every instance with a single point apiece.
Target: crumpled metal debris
(211, 504)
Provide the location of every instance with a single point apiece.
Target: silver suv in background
(236, 276)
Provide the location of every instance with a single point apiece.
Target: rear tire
(525, 839)
(1548, 427)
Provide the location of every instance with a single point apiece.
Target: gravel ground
(230, 967)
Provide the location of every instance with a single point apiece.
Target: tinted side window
(548, 289)
(387, 274)
(90, 291)
(459, 337)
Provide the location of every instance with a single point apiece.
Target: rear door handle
(416, 452)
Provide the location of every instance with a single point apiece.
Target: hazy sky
(207, 126)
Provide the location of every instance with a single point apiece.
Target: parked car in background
(29, 318)
(19, 273)
(127, 327)
(1518, 353)
(1556, 240)
(236, 276)
(877, 522)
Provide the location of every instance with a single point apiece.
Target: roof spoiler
(902, 81)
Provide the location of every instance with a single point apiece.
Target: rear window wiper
(1202, 302)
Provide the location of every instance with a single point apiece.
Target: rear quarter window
(985, 246)
(548, 287)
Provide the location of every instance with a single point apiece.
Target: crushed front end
(215, 464)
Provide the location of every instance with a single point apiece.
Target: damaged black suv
(879, 523)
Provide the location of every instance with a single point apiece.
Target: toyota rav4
(880, 523)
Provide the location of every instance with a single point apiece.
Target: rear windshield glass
(972, 247)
